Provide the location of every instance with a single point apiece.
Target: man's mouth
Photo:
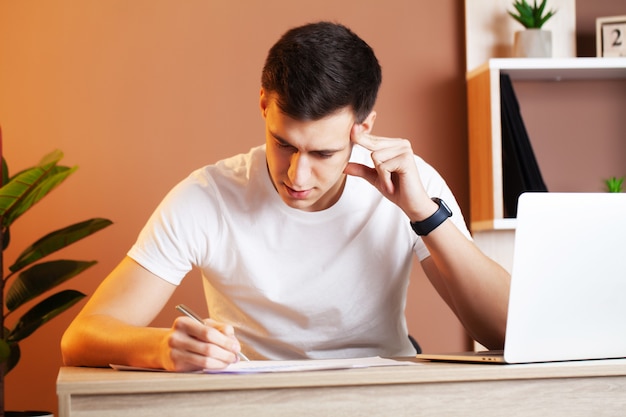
(297, 194)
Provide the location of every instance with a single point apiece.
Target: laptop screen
(568, 287)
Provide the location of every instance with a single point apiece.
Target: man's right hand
(191, 346)
(114, 328)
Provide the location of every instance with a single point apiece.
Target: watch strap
(424, 227)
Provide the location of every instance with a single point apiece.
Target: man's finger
(363, 171)
(365, 139)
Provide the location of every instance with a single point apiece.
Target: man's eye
(283, 145)
(325, 155)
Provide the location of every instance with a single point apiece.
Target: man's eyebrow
(279, 139)
(283, 141)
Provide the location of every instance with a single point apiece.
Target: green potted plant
(533, 41)
(28, 278)
(614, 184)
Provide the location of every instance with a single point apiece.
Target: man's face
(306, 159)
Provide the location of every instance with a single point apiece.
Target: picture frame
(611, 36)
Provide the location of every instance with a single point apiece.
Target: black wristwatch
(428, 225)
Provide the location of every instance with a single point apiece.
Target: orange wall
(138, 93)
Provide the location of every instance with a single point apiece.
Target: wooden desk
(571, 389)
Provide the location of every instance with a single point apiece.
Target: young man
(305, 244)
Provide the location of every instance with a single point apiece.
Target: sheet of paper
(244, 367)
(250, 367)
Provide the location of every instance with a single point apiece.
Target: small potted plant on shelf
(614, 184)
(533, 42)
(27, 277)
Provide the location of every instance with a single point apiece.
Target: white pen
(189, 313)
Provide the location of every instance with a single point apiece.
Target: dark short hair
(319, 68)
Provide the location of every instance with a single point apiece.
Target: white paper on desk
(251, 367)
(244, 367)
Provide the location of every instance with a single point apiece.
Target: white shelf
(485, 139)
(556, 69)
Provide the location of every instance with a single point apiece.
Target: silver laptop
(568, 282)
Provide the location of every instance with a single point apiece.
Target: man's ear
(263, 102)
(367, 125)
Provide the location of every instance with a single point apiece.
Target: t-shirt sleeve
(176, 234)
(437, 187)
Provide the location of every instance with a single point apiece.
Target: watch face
(445, 206)
(442, 206)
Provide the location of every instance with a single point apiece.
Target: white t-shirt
(295, 284)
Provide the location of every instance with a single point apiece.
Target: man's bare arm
(113, 328)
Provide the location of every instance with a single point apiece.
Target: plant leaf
(51, 158)
(23, 189)
(545, 18)
(14, 357)
(525, 14)
(538, 11)
(18, 186)
(5, 350)
(43, 312)
(531, 17)
(57, 240)
(42, 277)
(614, 185)
(9, 353)
(519, 19)
(28, 188)
(5, 172)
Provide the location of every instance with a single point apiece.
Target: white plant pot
(532, 43)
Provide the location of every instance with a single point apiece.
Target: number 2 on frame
(611, 33)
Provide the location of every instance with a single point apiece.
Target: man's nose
(299, 169)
